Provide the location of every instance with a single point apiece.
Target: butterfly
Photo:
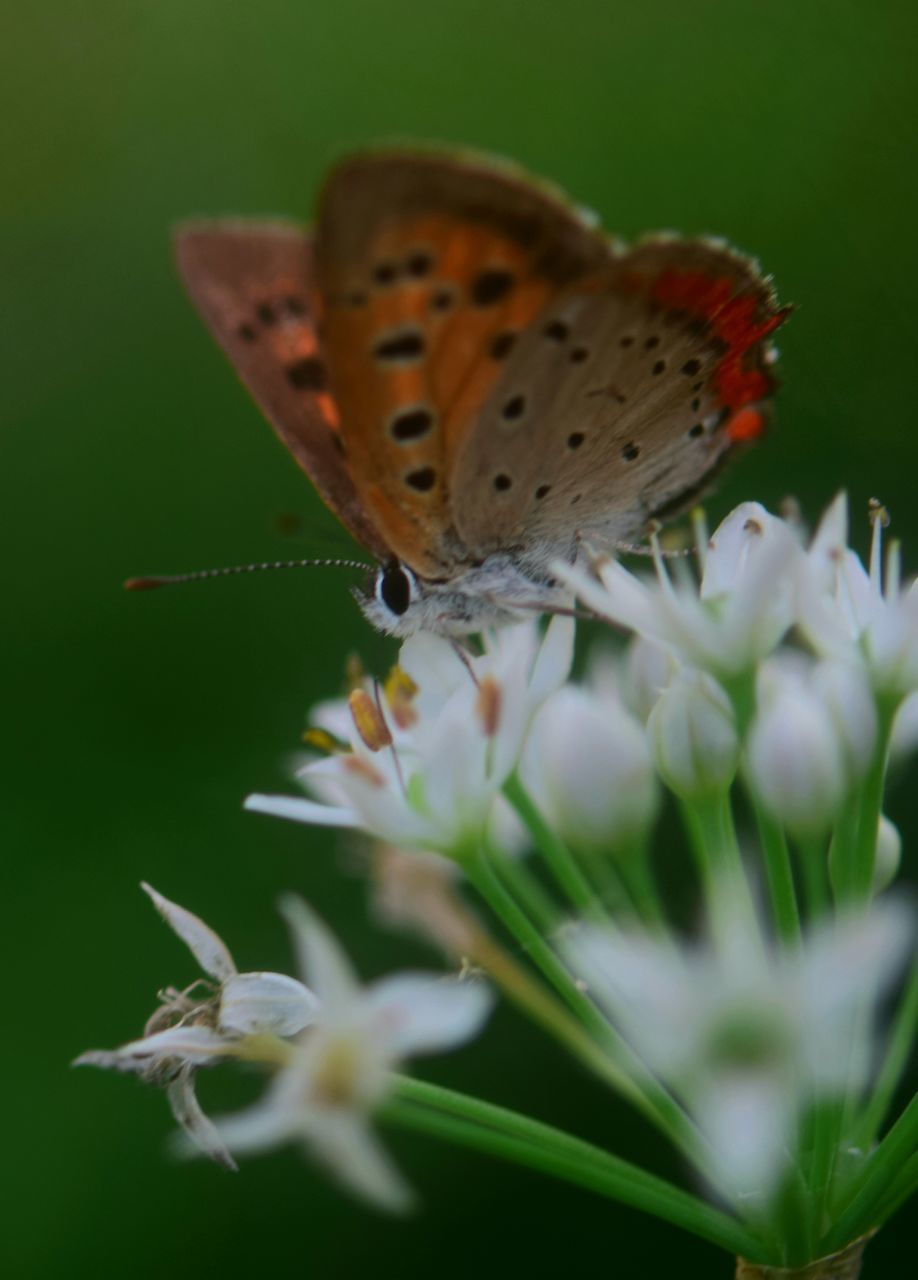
(476, 378)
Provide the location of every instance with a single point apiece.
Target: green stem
(878, 1176)
(779, 874)
(826, 1120)
(517, 922)
(871, 807)
(726, 889)
(842, 850)
(637, 873)
(607, 1053)
(814, 866)
(898, 1050)
(558, 858)
(904, 1186)
(522, 884)
(507, 1134)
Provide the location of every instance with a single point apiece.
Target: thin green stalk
(522, 884)
(814, 866)
(843, 848)
(636, 871)
(904, 1186)
(871, 808)
(558, 858)
(898, 1050)
(726, 888)
(795, 1221)
(507, 1134)
(608, 1053)
(878, 1176)
(825, 1126)
(779, 875)
(517, 922)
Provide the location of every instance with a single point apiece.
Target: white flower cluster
(784, 666)
(782, 661)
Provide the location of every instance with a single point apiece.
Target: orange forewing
(442, 263)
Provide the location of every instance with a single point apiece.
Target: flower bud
(848, 698)
(649, 667)
(588, 768)
(693, 736)
(888, 854)
(795, 754)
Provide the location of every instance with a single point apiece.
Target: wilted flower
(436, 786)
(205, 1023)
(750, 1043)
(340, 1070)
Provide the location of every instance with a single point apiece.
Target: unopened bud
(693, 736)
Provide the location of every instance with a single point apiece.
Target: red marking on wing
(734, 320)
(748, 424)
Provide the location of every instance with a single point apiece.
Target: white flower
(428, 773)
(340, 1070)
(588, 768)
(205, 1023)
(694, 737)
(858, 615)
(750, 1043)
(794, 751)
(740, 612)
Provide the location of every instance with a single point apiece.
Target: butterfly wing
(429, 268)
(254, 285)
(622, 402)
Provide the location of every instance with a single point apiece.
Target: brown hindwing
(253, 284)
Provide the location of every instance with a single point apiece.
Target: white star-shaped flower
(339, 1071)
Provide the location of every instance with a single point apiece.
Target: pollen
(336, 1081)
(368, 720)
(488, 705)
(323, 741)
(400, 691)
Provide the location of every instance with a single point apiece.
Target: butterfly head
(492, 593)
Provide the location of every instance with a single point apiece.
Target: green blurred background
(135, 725)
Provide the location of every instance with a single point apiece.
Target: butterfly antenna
(170, 580)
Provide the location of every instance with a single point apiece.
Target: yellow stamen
(322, 740)
(400, 691)
(369, 720)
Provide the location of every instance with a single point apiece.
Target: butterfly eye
(395, 588)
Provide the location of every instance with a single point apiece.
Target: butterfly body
(476, 379)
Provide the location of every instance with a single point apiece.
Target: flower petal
(553, 660)
(188, 1114)
(349, 1148)
(424, 1013)
(321, 960)
(299, 810)
(210, 951)
(192, 1043)
(252, 1003)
